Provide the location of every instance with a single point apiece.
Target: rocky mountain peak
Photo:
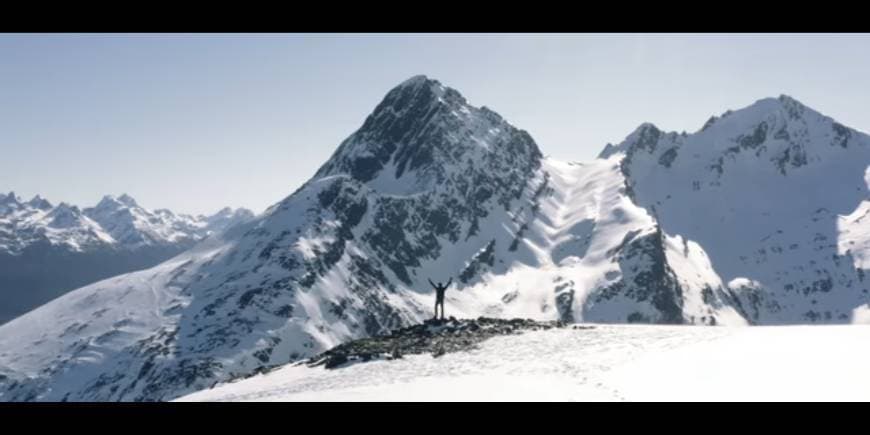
(40, 203)
(426, 129)
(9, 198)
(127, 200)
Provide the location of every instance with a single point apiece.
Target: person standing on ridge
(439, 296)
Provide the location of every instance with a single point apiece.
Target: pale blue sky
(196, 122)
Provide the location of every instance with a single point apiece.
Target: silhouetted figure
(439, 296)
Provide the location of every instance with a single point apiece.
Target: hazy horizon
(194, 123)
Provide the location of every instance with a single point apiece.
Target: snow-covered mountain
(46, 250)
(775, 193)
(432, 187)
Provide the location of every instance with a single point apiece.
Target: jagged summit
(127, 200)
(411, 96)
(415, 79)
(427, 130)
(780, 110)
(65, 216)
(782, 117)
(40, 203)
(644, 137)
(8, 203)
(788, 99)
(107, 202)
(113, 202)
(8, 198)
(63, 205)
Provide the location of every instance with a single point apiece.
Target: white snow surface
(608, 363)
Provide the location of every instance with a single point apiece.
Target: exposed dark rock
(486, 257)
(655, 281)
(668, 157)
(433, 337)
(758, 136)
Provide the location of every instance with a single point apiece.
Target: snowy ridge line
(118, 221)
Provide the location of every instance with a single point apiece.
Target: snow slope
(607, 363)
(431, 186)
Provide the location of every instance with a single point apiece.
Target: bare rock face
(435, 337)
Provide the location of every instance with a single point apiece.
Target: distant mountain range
(46, 250)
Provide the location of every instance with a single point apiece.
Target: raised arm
(448, 282)
(430, 282)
